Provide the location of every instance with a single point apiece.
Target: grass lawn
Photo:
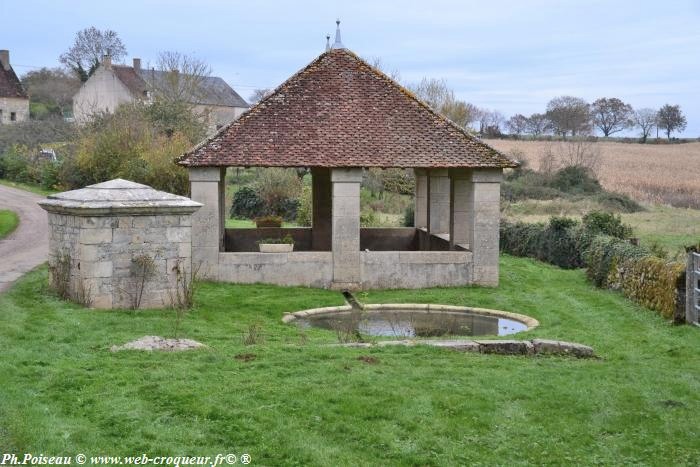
(27, 187)
(299, 402)
(8, 222)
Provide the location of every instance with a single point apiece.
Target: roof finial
(337, 44)
(328, 42)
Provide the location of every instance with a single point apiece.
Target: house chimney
(5, 59)
(137, 64)
(107, 60)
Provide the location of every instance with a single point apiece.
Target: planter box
(276, 247)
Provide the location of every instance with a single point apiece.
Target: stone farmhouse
(112, 85)
(339, 116)
(14, 101)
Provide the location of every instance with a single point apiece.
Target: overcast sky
(511, 56)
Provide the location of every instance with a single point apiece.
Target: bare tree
(645, 119)
(378, 63)
(433, 92)
(440, 98)
(259, 94)
(670, 118)
(52, 87)
(180, 79)
(517, 124)
(177, 87)
(538, 124)
(611, 115)
(90, 45)
(569, 114)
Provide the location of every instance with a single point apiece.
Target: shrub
(409, 216)
(556, 242)
(268, 221)
(369, 218)
(276, 185)
(126, 144)
(603, 257)
(654, 283)
(286, 208)
(618, 202)
(575, 179)
(606, 223)
(399, 181)
(287, 240)
(14, 164)
(516, 191)
(304, 213)
(246, 204)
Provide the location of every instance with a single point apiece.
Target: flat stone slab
(545, 346)
(150, 343)
(506, 347)
(498, 347)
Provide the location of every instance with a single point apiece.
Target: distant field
(664, 173)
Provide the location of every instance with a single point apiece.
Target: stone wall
(103, 254)
(415, 269)
(298, 268)
(378, 269)
(20, 107)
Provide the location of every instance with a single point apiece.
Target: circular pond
(409, 321)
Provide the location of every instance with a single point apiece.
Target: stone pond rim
(530, 322)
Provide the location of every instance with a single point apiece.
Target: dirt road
(28, 245)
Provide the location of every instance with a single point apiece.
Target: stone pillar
(461, 192)
(421, 206)
(321, 209)
(346, 227)
(483, 218)
(439, 210)
(207, 187)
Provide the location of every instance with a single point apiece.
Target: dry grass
(661, 174)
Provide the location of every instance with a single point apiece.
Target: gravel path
(28, 246)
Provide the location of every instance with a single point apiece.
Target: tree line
(565, 116)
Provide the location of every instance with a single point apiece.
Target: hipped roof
(339, 111)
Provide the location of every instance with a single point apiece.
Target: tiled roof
(131, 79)
(214, 90)
(341, 112)
(10, 85)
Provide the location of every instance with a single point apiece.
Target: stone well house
(112, 85)
(338, 116)
(14, 101)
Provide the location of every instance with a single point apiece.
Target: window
(13, 116)
(0, 115)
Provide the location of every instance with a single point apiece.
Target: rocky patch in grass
(150, 343)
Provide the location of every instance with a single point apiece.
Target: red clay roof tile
(341, 112)
(10, 85)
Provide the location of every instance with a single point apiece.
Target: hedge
(650, 281)
(610, 262)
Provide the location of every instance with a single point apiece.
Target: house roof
(10, 85)
(339, 111)
(131, 79)
(214, 90)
